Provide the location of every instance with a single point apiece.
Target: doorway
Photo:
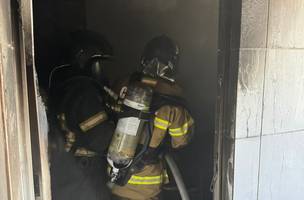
(128, 25)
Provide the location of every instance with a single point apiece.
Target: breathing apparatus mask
(160, 58)
(155, 69)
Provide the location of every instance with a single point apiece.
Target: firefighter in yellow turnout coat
(172, 122)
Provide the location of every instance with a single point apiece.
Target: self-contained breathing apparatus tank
(131, 124)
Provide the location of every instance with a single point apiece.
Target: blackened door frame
(227, 79)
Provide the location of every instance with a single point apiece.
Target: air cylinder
(130, 125)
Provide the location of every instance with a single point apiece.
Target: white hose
(178, 177)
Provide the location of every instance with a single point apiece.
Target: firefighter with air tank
(152, 119)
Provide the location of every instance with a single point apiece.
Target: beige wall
(269, 154)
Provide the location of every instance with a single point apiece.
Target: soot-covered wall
(193, 24)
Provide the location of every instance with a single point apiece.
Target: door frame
(31, 132)
(227, 81)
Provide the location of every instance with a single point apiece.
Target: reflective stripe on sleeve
(146, 180)
(176, 132)
(150, 180)
(93, 121)
(161, 123)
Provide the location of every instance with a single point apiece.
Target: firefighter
(81, 126)
(172, 123)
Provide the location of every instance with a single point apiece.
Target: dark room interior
(128, 25)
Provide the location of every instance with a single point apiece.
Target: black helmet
(89, 52)
(160, 57)
(86, 57)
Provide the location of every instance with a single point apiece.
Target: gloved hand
(148, 158)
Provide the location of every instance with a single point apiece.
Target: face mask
(155, 69)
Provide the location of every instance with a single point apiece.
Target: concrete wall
(269, 153)
(128, 25)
